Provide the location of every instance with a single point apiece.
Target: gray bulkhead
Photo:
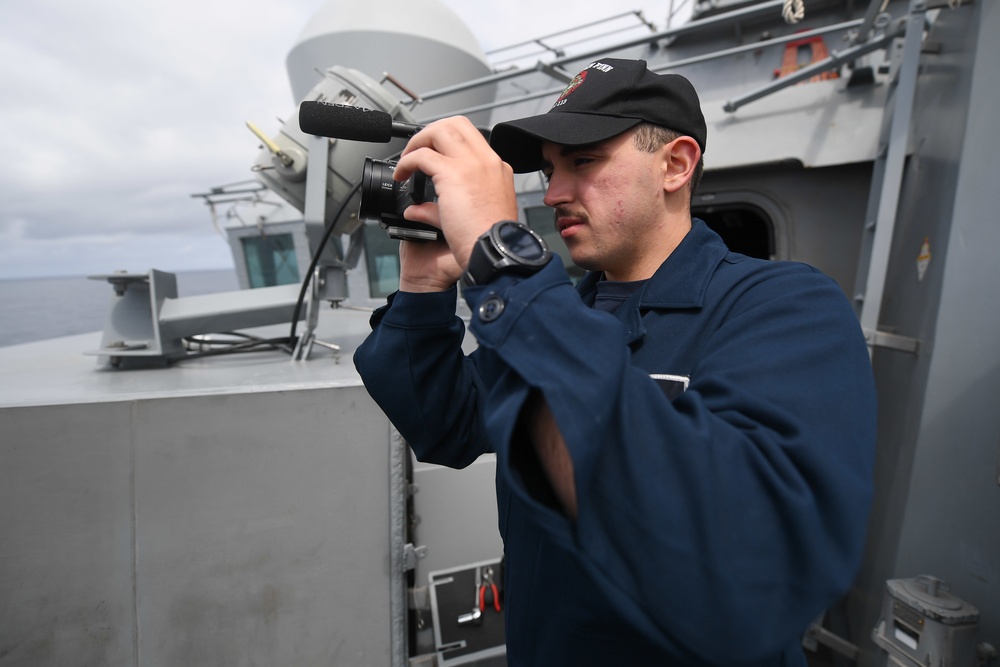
(937, 508)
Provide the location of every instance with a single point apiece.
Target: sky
(114, 112)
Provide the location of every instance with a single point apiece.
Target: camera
(383, 200)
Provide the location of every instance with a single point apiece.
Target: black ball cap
(607, 98)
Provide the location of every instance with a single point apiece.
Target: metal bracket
(891, 341)
(146, 321)
(329, 283)
(411, 554)
(556, 73)
(817, 634)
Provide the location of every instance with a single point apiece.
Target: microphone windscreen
(342, 121)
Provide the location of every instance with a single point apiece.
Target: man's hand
(427, 266)
(475, 189)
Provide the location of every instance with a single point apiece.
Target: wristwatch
(507, 247)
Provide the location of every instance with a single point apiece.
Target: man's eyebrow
(581, 148)
(566, 151)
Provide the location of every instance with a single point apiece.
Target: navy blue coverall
(712, 527)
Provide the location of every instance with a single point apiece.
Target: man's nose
(558, 191)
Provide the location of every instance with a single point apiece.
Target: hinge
(892, 341)
(411, 554)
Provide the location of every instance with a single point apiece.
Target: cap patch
(573, 85)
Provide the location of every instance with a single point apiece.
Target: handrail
(723, 53)
(836, 60)
(541, 41)
(688, 28)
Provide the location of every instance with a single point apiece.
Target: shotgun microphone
(343, 121)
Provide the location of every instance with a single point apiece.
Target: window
(270, 260)
(382, 260)
(745, 228)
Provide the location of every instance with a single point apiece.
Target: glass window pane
(270, 260)
(382, 260)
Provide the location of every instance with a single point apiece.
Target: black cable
(319, 250)
(253, 345)
(272, 343)
(198, 340)
(217, 343)
(315, 260)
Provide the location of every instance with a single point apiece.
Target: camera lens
(384, 199)
(378, 190)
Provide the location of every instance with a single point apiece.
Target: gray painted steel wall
(951, 527)
(204, 530)
(817, 213)
(937, 507)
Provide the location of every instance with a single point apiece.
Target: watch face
(520, 242)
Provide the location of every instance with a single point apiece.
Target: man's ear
(680, 157)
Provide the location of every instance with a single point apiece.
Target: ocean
(33, 309)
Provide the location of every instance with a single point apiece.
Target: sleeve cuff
(412, 310)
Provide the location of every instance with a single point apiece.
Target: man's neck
(644, 266)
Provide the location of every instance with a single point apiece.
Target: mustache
(563, 212)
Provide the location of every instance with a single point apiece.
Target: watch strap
(488, 258)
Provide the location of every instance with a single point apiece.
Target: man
(684, 441)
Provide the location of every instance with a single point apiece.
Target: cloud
(115, 112)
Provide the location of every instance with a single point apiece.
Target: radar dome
(422, 43)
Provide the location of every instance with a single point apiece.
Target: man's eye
(580, 161)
